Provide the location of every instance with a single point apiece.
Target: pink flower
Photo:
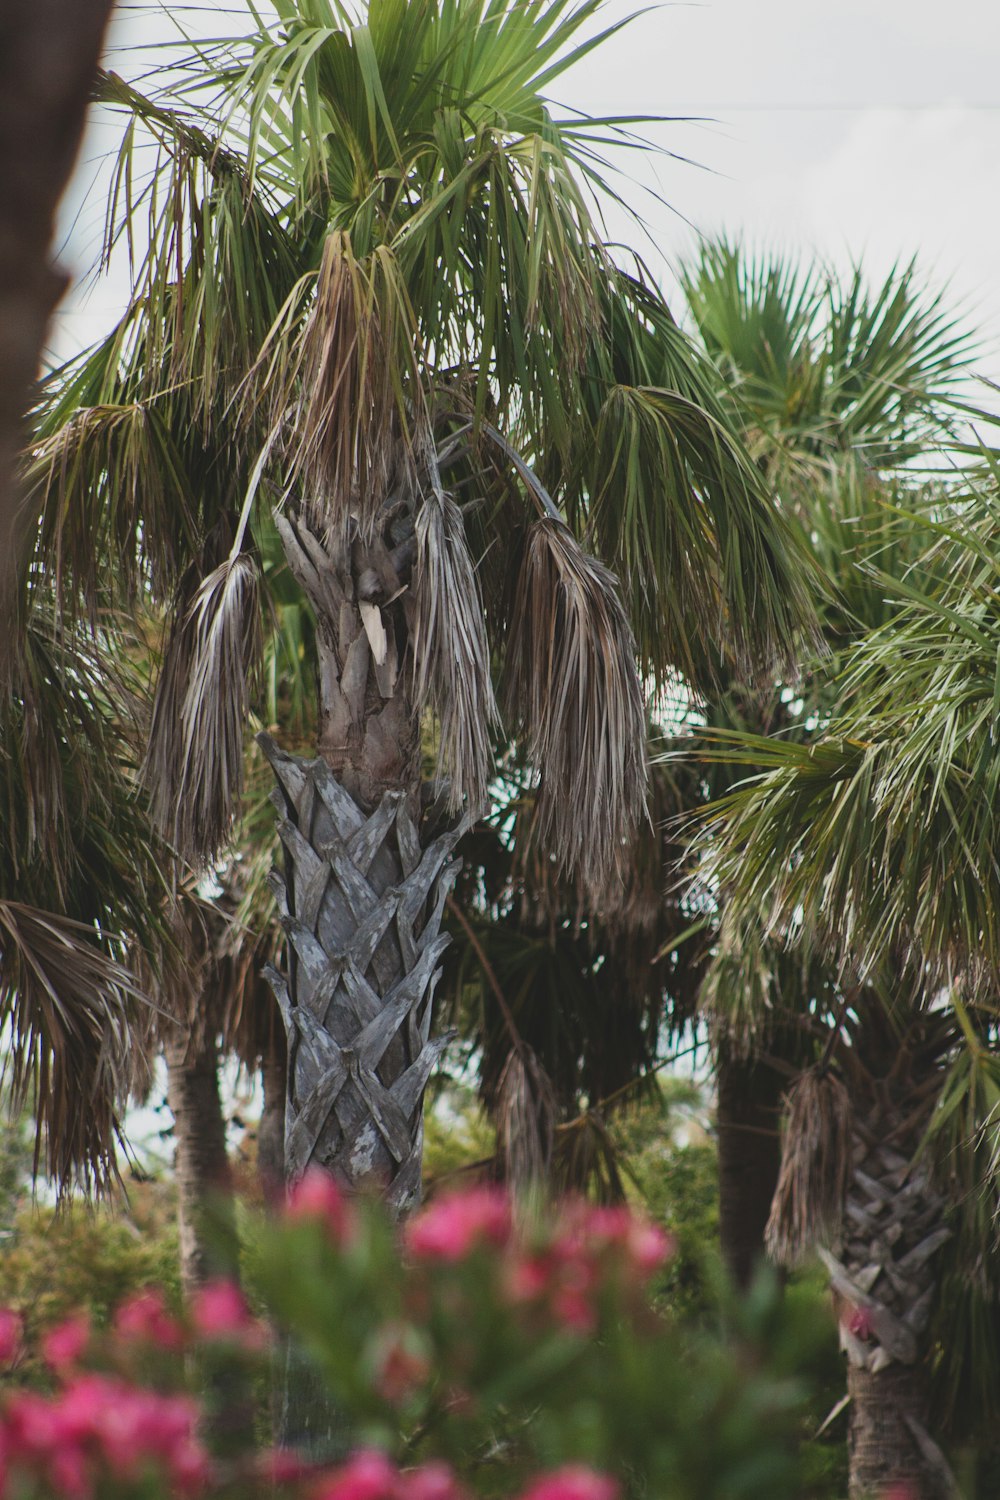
(400, 1365)
(318, 1197)
(368, 1475)
(902, 1489)
(11, 1331)
(859, 1323)
(144, 1319)
(526, 1278)
(70, 1474)
(280, 1466)
(453, 1225)
(433, 1481)
(646, 1245)
(63, 1345)
(572, 1482)
(219, 1311)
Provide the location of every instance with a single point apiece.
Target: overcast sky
(866, 129)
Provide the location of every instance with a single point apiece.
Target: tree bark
(362, 905)
(884, 1280)
(271, 1131)
(364, 889)
(748, 1114)
(206, 1221)
(887, 1407)
(49, 50)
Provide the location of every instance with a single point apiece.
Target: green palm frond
(881, 833)
(80, 890)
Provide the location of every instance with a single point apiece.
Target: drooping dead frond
(68, 1008)
(451, 652)
(194, 765)
(525, 1113)
(345, 377)
(573, 686)
(815, 1168)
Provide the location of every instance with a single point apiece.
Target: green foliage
(498, 1387)
(87, 1258)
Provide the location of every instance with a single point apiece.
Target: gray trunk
(362, 905)
(884, 1283)
(361, 899)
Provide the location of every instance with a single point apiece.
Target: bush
(479, 1353)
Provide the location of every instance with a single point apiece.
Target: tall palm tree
(839, 387)
(373, 303)
(875, 844)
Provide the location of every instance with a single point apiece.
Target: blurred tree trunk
(49, 50)
(271, 1131)
(205, 1213)
(748, 1115)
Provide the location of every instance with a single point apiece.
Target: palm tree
(875, 845)
(374, 311)
(839, 387)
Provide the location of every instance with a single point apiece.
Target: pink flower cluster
(97, 1427)
(566, 1271)
(454, 1225)
(317, 1197)
(370, 1475)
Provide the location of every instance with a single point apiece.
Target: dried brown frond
(815, 1171)
(69, 1010)
(525, 1115)
(349, 379)
(194, 764)
(451, 652)
(572, 685)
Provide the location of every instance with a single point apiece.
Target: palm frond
(573, 685)
(194, 763)
(815, 1168)
(69, 1011)
(345, 386)
(451, 652)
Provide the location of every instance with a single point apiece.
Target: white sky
(863, 128)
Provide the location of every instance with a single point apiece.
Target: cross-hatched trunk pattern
(885, 1281)
(361, 903)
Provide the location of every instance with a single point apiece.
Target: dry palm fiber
(815, 1168)
(195, 776)
(573, 686)
(451, 652)
(70, 1010)
(525, 1111)
(346, 381)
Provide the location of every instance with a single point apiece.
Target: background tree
(880, 853)
(840, 389)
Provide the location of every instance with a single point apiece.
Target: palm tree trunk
(747, 1114)
(886, 1408)
(271, 1131)
(206, 1222)
(884, 1285)
(361, 899)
